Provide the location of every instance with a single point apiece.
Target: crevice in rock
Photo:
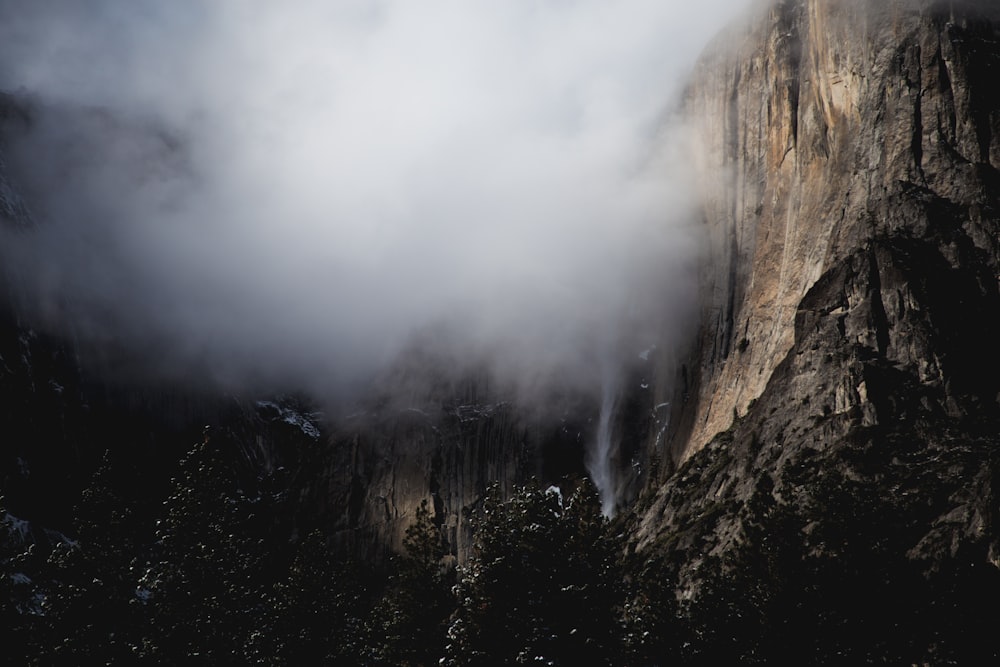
(879, 319)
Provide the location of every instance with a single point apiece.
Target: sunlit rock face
(431, 433)
(850, 147)
(850, 296)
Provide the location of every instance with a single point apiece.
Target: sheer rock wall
(832, 128)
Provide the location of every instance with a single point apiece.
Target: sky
(261, 193)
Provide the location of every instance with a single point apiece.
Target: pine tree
(207, 582)
(316, 618)
(542, 584)
(20, 619)
(90, 583)
(651, 616)
(410, 622)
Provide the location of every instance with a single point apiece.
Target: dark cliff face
(847, 373)
(446, 442)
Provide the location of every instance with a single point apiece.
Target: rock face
(444, 442)
(852, 311)
(837, 128)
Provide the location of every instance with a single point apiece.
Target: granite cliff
(836, 127)
(846, 380)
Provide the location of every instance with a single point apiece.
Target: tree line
(214, 580)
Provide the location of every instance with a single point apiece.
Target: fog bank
(251, 192)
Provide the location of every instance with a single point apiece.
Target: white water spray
(599, 458)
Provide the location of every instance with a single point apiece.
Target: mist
(257, 194)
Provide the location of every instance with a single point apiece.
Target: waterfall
(599, 457)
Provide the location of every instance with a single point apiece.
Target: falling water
(602, 451)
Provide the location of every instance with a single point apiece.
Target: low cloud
(289, 193)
